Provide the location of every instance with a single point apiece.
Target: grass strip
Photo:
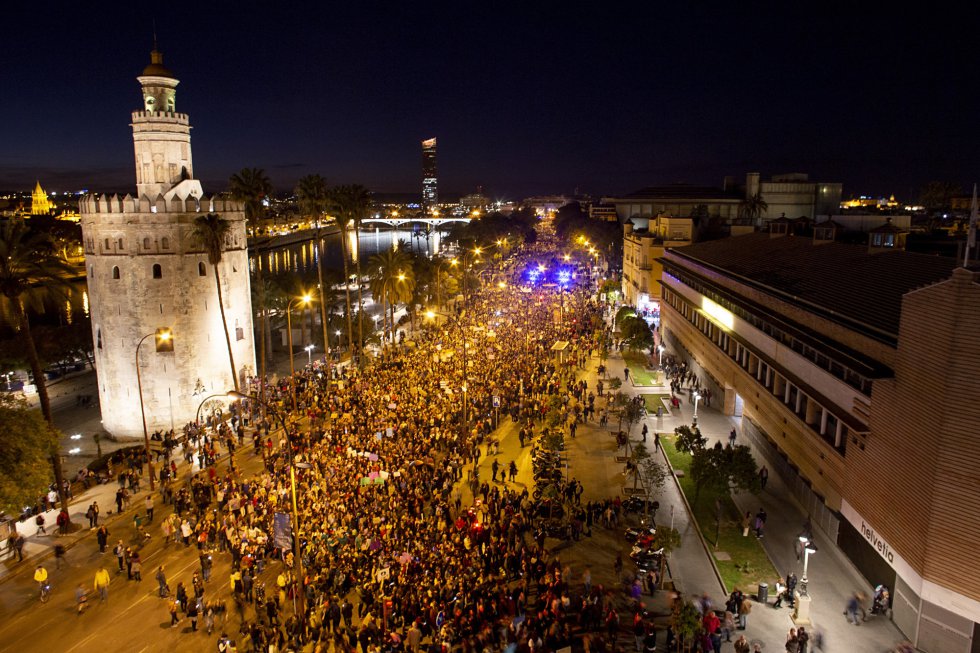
(749, 564)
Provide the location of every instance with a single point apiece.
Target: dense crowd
(383, 461)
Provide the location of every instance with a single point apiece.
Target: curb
(690, 512)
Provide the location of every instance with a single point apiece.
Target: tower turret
(162, 137)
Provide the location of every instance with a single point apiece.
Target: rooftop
(835, 278)
(681, 191)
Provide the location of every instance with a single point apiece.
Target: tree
(392, 279)
(30, 271)
(622, 314)
(751, 208)
(718, 470)
(26, 439)
(936, 196)
(335, 201)
(314, 201)
(352, 203)
(686, 624)
(210, 231)
(636, 334)
(688, 440)
(251, 186)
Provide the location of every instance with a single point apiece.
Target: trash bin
(763, 592)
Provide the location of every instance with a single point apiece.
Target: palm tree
(313, 200)
(752, 207)
(393, 279)
(210, 230)
(353, 202)
(29, 271)
(251, 186)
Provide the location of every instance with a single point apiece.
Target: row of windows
(836, 367)
(119, 244)
(820, 420)
(157, 271)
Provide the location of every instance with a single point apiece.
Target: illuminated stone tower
(40, 204)
(146, 271)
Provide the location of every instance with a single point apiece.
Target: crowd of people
(383, 458)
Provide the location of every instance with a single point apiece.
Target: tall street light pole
(164, 343)
(801, 615)
(475, 252)
(297, 557)
(300, 301)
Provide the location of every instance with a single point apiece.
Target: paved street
(135, 619)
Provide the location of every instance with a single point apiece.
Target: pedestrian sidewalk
(39, 546)
(832, 578)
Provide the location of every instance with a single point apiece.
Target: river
(296, 260)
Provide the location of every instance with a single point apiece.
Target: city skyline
(524, 102)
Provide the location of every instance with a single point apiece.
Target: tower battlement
(127, 204)
(161, 116)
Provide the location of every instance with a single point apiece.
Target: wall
(136, 304)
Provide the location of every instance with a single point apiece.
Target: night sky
(528, 98)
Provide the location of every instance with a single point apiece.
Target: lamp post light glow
(164, 343)
(801, 615)
(300, 594)
(660, 350)
(309, 354)
(808, 548)
(302, 301)
(697, 397)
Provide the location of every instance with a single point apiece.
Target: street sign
(496, 401)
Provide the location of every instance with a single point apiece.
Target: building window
(202, 270)
(107, 244)
(157, 271)
(98, 338)
(239, 332)
(165, 242)
(121, 244)
(146, 243)
(115, 271)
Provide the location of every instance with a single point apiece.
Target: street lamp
(301, 301)
(660, 350)
(164, 343)
(297, 558)
(801, 615)
(309, 354)
(475, 252)
(462, 334)
(697, 397)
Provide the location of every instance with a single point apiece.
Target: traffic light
(164, 340)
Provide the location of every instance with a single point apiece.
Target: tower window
(115, 271)
(146, 243)
(165, 242)
(202, 270)
(157, 271)
(121, 244)
(107, 244)
(98, 338)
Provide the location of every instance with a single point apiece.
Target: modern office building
(430, 182)
(855, 370)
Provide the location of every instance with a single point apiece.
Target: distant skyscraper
(430, 185)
